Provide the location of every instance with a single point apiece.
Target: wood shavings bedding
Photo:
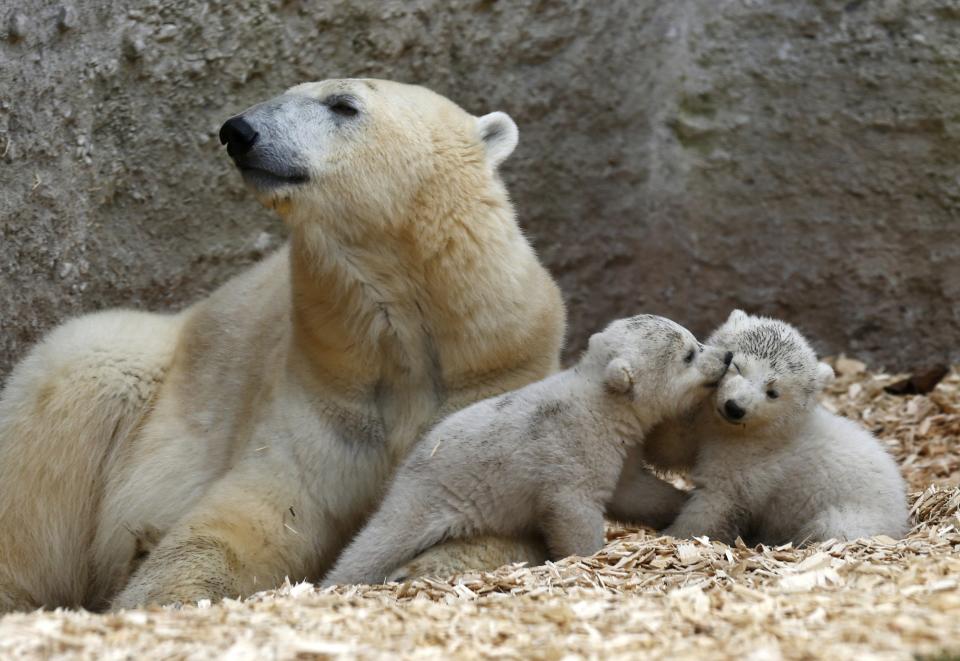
(643, 594)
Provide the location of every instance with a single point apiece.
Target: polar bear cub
(771, 464)
(540, 460)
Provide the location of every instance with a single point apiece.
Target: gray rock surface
(800, 159)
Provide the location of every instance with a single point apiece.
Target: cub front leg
(573, 526)
(642, 498)
(709, 513)
(246, 534)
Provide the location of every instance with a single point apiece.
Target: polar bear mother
(153, 458)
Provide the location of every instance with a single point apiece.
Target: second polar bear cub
(772, 465)
(540, 460)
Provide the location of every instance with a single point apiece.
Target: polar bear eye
(689, 357)
(341, 105)
(772, 394)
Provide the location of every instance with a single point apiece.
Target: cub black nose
(733, 410)
(727, 359)
(239, 137)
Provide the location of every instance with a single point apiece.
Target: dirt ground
(641, 595)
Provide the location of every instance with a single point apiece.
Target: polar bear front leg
(246, 534)
(573, 526)
(642, 498)
(711, 513)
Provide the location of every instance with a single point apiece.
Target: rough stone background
(801, 159)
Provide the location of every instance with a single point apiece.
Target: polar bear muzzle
(261, 143)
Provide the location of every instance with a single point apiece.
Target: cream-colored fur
(247, 438)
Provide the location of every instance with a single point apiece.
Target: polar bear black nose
(239, 137)
(728, 358)
(733, 410)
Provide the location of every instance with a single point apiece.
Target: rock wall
(800, 159)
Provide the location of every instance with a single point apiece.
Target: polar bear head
(353, 153)
(658, 363)
(775, 375)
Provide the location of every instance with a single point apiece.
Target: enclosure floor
(642, 594)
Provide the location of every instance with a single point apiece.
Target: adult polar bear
(249, 436)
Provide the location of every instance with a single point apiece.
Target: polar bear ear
(499, 134)
(617, 376)
(824, 376)
(737, 316)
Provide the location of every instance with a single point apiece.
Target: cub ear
(824, 375)
(617, 377)
(499, 134)
(737, 315)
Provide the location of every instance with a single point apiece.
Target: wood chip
(642, 595)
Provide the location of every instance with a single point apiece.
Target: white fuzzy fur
(247, 438)
(542, 460)
(789, 470)
(792, 471)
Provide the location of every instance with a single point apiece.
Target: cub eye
(342, 106)
(689, 357)
(772, 394)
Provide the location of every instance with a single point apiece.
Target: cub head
(774, 377)
(356, 154)
(657, 363)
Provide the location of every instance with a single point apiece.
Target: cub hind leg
(484, 553)
(847, 522)
(403, 527)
